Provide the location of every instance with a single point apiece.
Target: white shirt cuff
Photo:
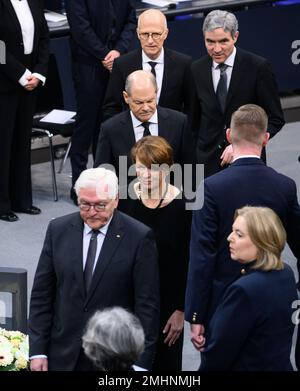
(38, 356)
(40, 77)
(23, 81)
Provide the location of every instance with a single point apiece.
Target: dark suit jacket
(126, 275)
(90, 24)
(251, 329)
(248, 181)
(252, 81)
(117, 138)
(11, 34)
(175, 91)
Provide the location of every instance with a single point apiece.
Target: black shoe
(73, 197)
(10, 216)
(32, 210)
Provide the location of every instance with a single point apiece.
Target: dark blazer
(252, 81)
(89, 22)
(11, 34)
(175, 91)
(126, 275)
(252, 327)
(117, 137)
(248, 181)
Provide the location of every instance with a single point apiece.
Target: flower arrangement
(13, 351)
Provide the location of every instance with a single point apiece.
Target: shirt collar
(136, 122)
(229, 60)
(244, 157)
(159, 59)
(87, 230)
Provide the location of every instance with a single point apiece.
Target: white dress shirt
(25, 19)
(216, 71)
(159, 69)
(139, 129)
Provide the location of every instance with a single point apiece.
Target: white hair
(104, 181)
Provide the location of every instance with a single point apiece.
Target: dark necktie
(90, 260)
(146, 129)
(152, 65)
(222, 86)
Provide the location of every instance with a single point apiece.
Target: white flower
(14, 350)
(6, 358)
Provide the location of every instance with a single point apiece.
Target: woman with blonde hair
(252, 327)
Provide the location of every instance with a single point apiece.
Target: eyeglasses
(154, 36)
(85, 206)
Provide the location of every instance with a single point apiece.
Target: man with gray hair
(223, 80)
(114, 340)
(91, 260)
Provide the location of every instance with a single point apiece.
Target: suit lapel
(208, 81)
(113, 238)
(33, 10)
(235, 77)
(76, 251)
(13, 14)
(162, 119)
(127, 136)
(169, 68)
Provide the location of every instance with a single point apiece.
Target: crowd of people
(146, 251)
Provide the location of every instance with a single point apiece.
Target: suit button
(21, 43)
(85, 309)
(243, 271)
(220, 146)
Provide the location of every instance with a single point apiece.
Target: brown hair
(152, 150)
(267, 234)
(249, 124)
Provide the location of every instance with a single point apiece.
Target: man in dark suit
(248, 181)
(225, 79)
(119, 134)
(91, 260)
(172, 69)
(25, 42)
(100, 32)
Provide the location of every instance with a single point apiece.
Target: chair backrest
(50, 96)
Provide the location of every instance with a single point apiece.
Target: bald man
(119, 134)
(171, 69)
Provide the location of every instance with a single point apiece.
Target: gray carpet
(21, 242)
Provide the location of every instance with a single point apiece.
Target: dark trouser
(90, 82)
(16, 112)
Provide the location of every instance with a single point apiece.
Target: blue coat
(252, 327)
(248, 181)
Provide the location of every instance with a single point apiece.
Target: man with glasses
(91, 260)
(171, 69)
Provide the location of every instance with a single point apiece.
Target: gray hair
(221, 19)
(102, 180)
(114, 339)
(139, 76)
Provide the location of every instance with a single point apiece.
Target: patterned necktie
(221, 91)
(90, 260)
(152, 65)
(146, 129)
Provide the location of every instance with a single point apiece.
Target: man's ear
(228, 135)
(125, 96)
(236, 35)
(266, 139)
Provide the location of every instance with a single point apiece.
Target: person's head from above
(153, 157)
(220, 30)
(97, 192)
(140, 94)
(114, 339)
(248, 130)
(257, 235)
(152, 31)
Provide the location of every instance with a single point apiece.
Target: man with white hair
(91, 260)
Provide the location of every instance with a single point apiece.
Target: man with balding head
(171, 69)
(119, 134)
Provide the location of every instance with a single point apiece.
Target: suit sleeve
(125, 38)
(146, 288)
(43, 47)
(113, 101)
(293, 224)
(229, 329)
(203, 249)
(194, 111)
(104, 152)
(42, 301)
(187, 85)
(268, 98)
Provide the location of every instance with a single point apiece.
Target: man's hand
(39, 364)
(197, 338)
(109, 59)
(173, 327)
(227, 155)
(33, 82)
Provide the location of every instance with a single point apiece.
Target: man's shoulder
(127, 58)
(179, 57)
(250, 57)
(166, 112)
(132, 225)
(63, 221)
(110, 123)
(201, 62)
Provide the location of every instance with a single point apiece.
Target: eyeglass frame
(159, 35)
(100, 207)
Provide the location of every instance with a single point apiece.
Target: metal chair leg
(63, 161)
(54, 185)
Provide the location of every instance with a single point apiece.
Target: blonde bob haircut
(267, 234)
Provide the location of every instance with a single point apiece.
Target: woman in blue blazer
(252, 327)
